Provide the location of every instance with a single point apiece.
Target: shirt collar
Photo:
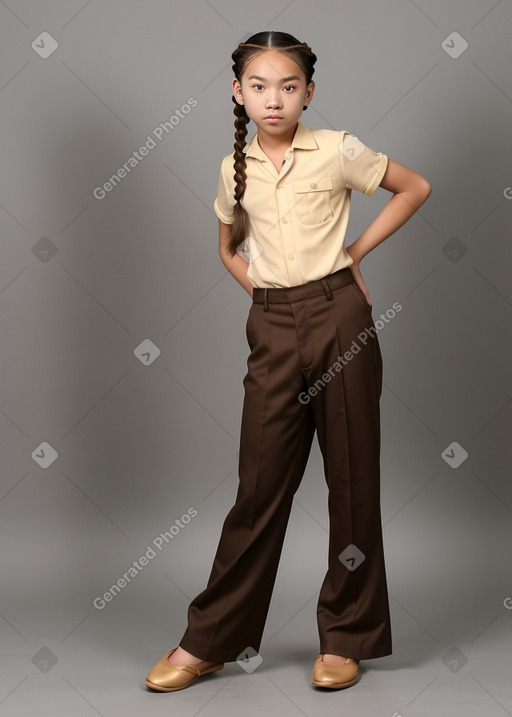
(302, 139)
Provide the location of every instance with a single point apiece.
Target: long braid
(239, 225)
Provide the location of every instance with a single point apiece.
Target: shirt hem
(377, 177)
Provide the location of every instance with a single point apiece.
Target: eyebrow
(283, 79)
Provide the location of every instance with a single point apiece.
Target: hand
(359, 281)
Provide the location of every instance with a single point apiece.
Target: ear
(237, 91)
(310, 91)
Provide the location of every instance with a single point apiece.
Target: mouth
(273, 117)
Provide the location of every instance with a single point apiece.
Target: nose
(273, 100)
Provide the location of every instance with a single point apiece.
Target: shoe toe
(327, 675)
(166, 677)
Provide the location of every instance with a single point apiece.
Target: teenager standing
(283, 205)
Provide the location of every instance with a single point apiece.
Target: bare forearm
(237, 267)
(397, 211)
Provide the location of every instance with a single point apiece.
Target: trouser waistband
(289, 294)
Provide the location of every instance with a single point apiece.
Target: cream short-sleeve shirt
(298, 216)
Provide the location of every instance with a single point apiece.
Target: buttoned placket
(284, 200)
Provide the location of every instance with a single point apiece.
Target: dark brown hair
(246, 51)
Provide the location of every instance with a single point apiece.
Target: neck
(274, 143)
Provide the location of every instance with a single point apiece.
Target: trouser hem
(354, 652)
(211, 655)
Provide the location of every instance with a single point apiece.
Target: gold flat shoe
(335, 676)
(165, 677)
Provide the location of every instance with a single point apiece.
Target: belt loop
(327, 290)
(265, 301)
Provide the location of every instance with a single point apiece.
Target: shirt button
(291, 256)
(313, 185)
(285, 220)
(279, 186)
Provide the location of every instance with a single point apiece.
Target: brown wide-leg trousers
(315, 363)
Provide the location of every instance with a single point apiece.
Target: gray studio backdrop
(123, 342)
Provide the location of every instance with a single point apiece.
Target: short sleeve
(225, 200)
(363, 168)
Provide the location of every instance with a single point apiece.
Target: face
(273, 90)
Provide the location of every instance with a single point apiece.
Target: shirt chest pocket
(312, 200)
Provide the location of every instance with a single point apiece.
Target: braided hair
(302, 54)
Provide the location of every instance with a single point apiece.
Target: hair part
(289, 46)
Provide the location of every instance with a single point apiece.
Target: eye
(256, 87)
(290, 87)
